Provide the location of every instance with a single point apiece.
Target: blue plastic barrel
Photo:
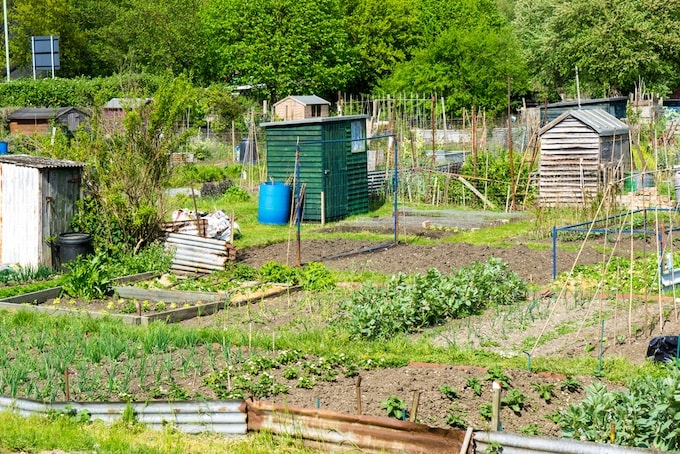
(274, 203)
(3, 147)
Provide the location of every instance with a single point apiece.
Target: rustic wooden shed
(332, 163)
(582, 151)
(39, 120)
(300, 107)
(37, 202)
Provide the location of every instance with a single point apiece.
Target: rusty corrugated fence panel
(330, 430)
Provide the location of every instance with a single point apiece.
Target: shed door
(335, 180)
(61, 190)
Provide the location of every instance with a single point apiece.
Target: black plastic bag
(663, 349)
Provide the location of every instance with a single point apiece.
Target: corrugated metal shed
(330, 163)
(37, 202)
(582, 151)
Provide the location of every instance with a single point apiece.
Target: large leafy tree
(289, 46)
(384, 33)
(52, 17)
(468, 53)
(614, 44)
(153, 35)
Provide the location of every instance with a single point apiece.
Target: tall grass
(35, 434)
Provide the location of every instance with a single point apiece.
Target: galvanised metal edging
(512, 443)
(223, 416)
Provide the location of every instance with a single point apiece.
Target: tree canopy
(616, 45)
(464, 50)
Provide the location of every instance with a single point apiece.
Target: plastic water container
(274, 203)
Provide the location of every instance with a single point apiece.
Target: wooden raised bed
(200, 303)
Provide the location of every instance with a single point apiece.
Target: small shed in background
(113, 111)
(332, 166)
(37, 202)
(582, 151)
(39, 120)
(300, 107)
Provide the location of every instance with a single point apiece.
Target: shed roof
(126, 103)
(40, 113)
(313, 120)
(305, 100)
(603, 123)
(38, 162)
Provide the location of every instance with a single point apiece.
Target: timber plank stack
(196, 254)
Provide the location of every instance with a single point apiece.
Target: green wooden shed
(332, 163)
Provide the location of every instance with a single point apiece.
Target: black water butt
(71, 245)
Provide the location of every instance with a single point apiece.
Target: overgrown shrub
(410, 303)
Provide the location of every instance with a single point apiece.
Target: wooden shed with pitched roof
(301, 107)
(40, 120)
(582, 153)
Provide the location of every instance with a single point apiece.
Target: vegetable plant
(546, 391)
(515, 400)
(395, 407)
(449, 392)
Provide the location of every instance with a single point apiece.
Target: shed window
(316, 110)
(358, 132)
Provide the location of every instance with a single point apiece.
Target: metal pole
(33, 52)
(4, 12)
(396, 190)
(52, 53)
(554, 257)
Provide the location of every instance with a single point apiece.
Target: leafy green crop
(515, 400)
(546, 391)
(646, 415)
(450, 392)
(395, 407)
(410, 303)
(87, 278)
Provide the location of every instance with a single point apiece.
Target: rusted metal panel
(360, 432)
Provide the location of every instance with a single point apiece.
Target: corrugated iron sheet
(358, 432)
(21, 215)
(224, 417)
(38, 162)
(511, 443)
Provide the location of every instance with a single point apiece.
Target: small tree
(130, 167)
